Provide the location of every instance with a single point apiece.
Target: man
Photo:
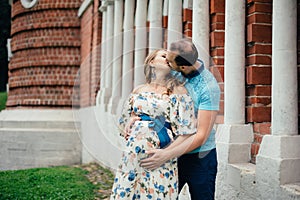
(198, 166)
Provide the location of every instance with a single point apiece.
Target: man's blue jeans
(199, 171)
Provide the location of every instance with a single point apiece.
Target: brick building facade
(68, 54)
(258, 43)
(46, 54)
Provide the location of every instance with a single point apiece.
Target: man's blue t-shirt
(205, 92)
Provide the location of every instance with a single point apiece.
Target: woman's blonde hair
(171, 81)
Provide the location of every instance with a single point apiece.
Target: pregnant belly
(143, 136)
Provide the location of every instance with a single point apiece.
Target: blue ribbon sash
(159, 125)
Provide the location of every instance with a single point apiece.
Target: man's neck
(197, 65)
(192, 69)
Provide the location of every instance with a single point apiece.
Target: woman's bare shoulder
(140, 88)
(180, 90)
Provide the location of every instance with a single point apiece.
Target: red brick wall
(165, 31)
(258, 69)
(96, 56)
(187, 20)
(86, 51)
(46, 54)
(90, 53)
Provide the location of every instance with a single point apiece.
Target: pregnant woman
(165, 112)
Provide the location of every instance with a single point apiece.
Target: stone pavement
(101, 177)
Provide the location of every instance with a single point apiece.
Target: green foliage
(46, 183)
(3, 98)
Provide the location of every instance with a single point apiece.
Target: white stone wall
(99, 136)
(38, 138)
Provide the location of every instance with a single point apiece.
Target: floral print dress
(133, 181)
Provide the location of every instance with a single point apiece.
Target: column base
(277, 167)
(278, 160)
(120, 105)
(234, 143)
(103, 97)
(113, 107)
(235, 173)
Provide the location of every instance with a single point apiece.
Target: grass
(3, 98)
(46, 183)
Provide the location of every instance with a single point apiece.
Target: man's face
(171, 59)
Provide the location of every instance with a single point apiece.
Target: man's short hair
(186, 51)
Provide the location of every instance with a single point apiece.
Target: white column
(106, 70)
(155, 19)
(128, 48)
(234, 74)
(103, 54)
(103, 48)
(234, 84)
(234, 137)
(188, 4)
(200, 29)
(284, 68)
(109, 49)
(165, 8)
(278, 160)
(174, 21)
(117, 56)
(140, 41)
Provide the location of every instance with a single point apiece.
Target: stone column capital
(104, 4)
(102, 8)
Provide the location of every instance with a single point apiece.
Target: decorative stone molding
(104, 5)
(9, 49)
(84, 6)
(29, 3)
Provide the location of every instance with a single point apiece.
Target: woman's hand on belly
(129, 125)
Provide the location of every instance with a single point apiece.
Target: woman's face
(160, 62)
(171, 59)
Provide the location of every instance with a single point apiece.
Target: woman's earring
(153, 74)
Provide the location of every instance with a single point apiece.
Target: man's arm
(205, 122)
(183, 144)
